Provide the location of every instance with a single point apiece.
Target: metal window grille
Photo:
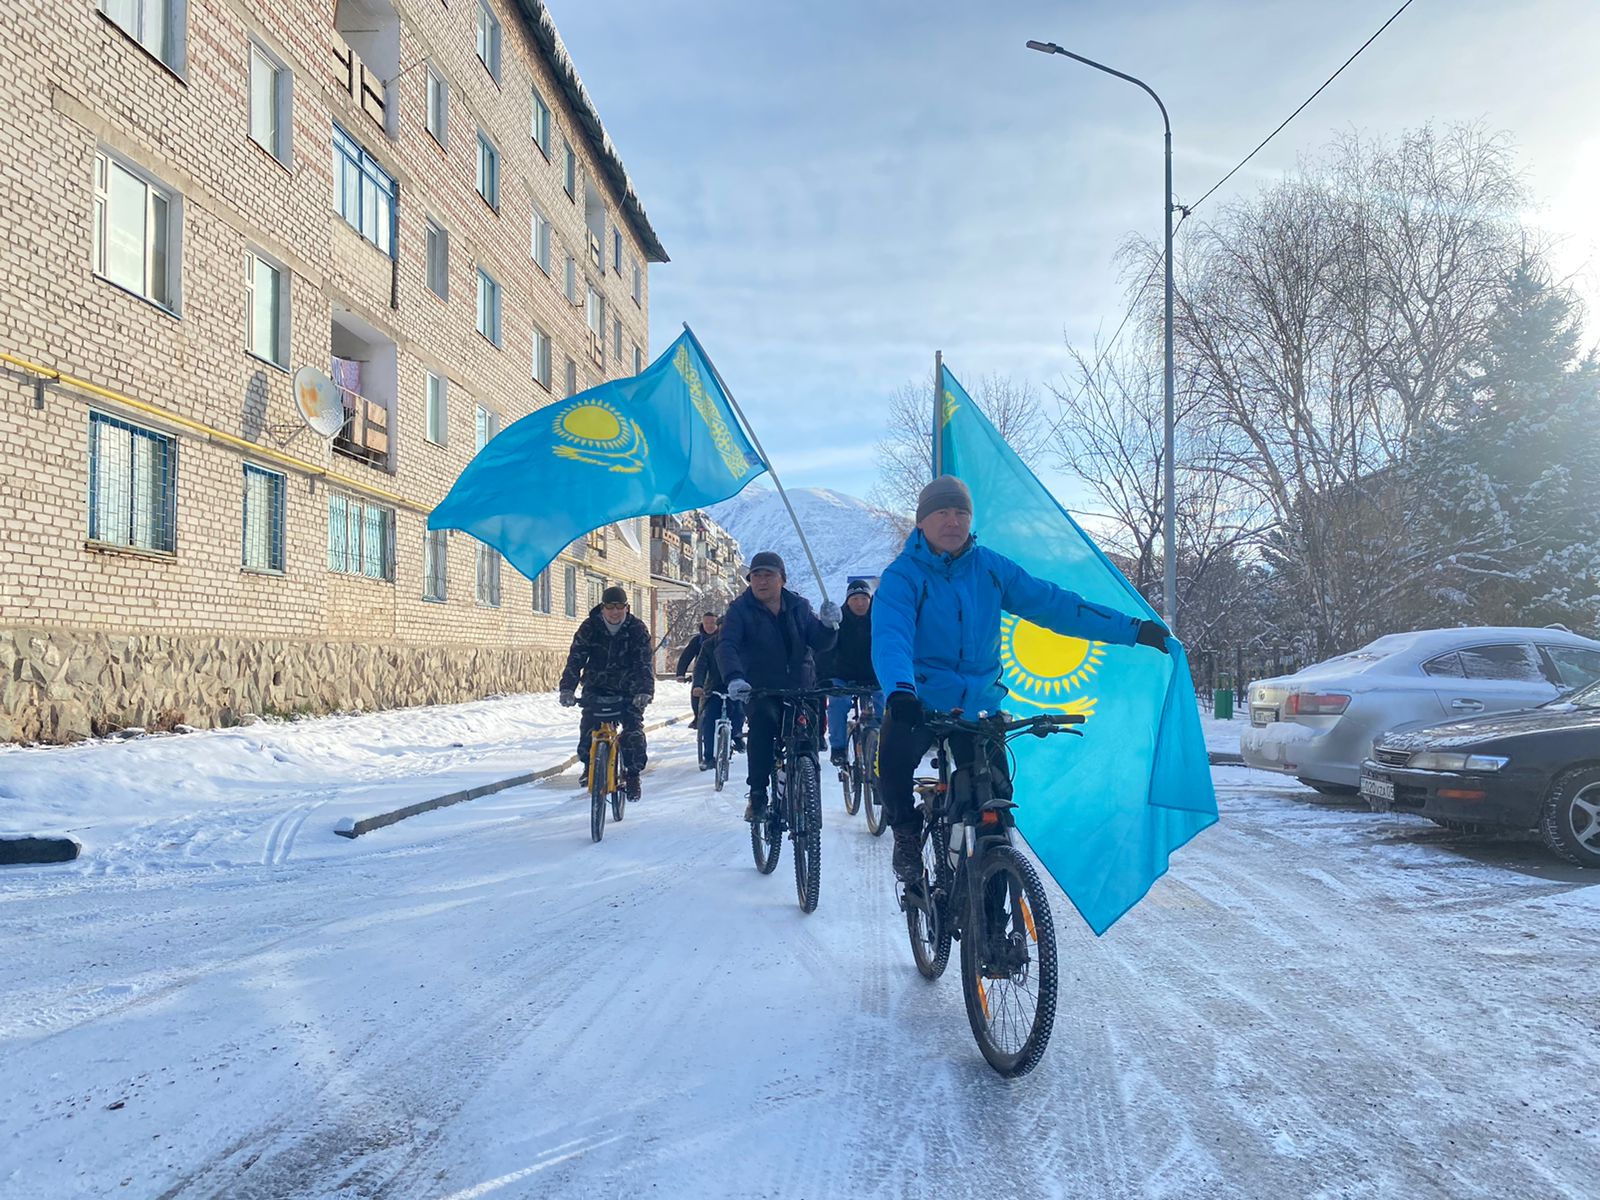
(488, 576)
(360, 538)
(436, 564)
(263, 519)
(132, 485)
(572, 591)
(364, 194)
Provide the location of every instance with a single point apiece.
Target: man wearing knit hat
(936, 642)
(610, 656)
(768, 637)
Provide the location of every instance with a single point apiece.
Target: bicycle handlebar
(1002, 724)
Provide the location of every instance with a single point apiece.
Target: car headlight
(1430, 760)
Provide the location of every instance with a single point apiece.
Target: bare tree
(905, 453)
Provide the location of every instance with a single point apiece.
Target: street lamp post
(1170, 516)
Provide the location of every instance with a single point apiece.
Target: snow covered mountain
(848, 536)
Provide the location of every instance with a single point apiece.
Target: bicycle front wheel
(807, 833)
(1008, 961)
(599, 774)
(870, 799)
(925, 918)
(619, 801)
(766, 839)
(721, 760)
(852, 777)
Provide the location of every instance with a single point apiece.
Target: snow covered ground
(222, 998)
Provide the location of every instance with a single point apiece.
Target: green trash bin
(1222, 698)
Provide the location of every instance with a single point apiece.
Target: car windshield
(1584, 697)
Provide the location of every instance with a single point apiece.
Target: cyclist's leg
(635, 752)
(710, 714)
(838, 719)
(736, 718)
(899, 751)
(586, 727)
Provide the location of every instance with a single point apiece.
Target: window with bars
(572, 591)
(132, 485)
(364, 194)
(360, 538)
(263, 519)
(435, 564)
(541, 592)
(541, 123)
(135, 237)
(488, 576)
(266, 305)
(438, 394)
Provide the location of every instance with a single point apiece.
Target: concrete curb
(18, 849)
(1226, 758)
(352, 828)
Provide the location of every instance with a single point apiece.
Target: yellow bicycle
(605, 746)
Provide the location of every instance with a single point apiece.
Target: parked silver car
(1319, 723)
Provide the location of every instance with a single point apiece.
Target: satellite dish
(318, 402)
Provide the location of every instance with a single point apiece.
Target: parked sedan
(1538, 769)
(1319, 724)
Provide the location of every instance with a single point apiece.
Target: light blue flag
(661, 442)
(1101, 812)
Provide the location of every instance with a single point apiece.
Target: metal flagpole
(743, 420)
(938, 413)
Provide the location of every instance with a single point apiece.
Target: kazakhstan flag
(1101, 812)
(663, 441)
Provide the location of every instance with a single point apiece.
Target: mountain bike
(859, 776)
(605, 747)
(978, 888)
(722, 739)
(796, 804)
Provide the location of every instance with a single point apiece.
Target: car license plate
(1374, 788)
(1263, 716)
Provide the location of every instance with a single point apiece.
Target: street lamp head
(1044, 47)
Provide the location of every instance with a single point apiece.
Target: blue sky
(846, 185)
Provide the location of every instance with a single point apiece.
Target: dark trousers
(901, 751)
(765, 717)
(631, 722)
(710, 714)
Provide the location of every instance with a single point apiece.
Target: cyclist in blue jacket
(936, 642)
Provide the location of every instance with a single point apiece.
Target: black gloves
(1154, 634)
(905, 709)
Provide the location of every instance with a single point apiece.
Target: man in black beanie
(610, 656)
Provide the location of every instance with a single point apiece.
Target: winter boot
(756, 809)
(839, 759)
(738, 745)
(631, 782)
(908, 852)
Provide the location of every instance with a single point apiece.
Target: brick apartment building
(416, 197)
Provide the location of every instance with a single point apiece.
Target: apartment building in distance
(695, 565)
(415, 197)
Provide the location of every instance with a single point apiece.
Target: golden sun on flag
(1045, 669)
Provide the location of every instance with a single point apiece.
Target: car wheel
(1331, 789)
(1571, 820)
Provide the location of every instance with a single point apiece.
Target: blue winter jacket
(936, 622)
(771, 650)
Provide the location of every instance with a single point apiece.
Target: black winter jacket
(707, 674)
(695, 651)
(851, 659)
(771, 650)
(610, 664)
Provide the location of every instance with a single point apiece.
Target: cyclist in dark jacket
(708, 679)
(849, 664)
(610, 656)
(767, 641)
(695, 652)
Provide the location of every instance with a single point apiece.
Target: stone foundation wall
(60, 685)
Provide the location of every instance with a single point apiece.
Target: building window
(488, 171)
(132, 485)
(616, 339)
(435, 564)
(438, 409)
(136, 242)
(263, 519)
(271, 85)
(488, 40)
(616, 250)
(436, 249)
(541, 592)
(572, 592)
(541, 123)
(488, 306)
(572, 378)
(541, 357)
(572, 280)
(638, 602)
(360, 538)
(438, 118)
(541, 240)
(638, 359)
(595, 314)
(266, 307)
(569, 169)
(156, 25)
(597, 589)
(486, 423)
(364, 193)
(638, 283)
(488, 576)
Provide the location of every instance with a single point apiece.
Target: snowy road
(481, 1003)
